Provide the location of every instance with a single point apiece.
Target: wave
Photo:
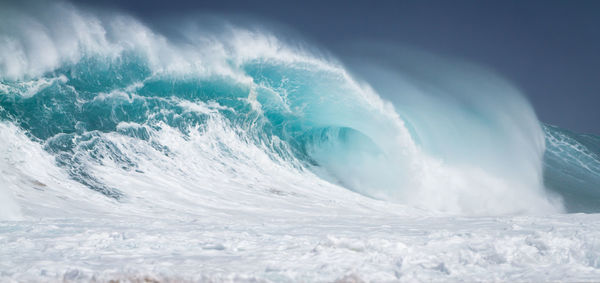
(572, 168)
(110, 114)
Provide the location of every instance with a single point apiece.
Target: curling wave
(103, 106)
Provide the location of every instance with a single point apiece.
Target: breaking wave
(104, 110)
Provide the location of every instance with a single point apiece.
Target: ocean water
(229, 154)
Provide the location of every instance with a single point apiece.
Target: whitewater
(209, 151)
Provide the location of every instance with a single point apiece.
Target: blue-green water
(435, 140)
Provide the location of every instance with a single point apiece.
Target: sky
(549, 49)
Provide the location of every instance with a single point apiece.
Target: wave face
(105, 106)
(572, 168)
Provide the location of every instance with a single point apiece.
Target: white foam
(33, 186)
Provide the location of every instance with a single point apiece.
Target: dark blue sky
(549, 49)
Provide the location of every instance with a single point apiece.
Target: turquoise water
(425, 132)
(308, 110)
